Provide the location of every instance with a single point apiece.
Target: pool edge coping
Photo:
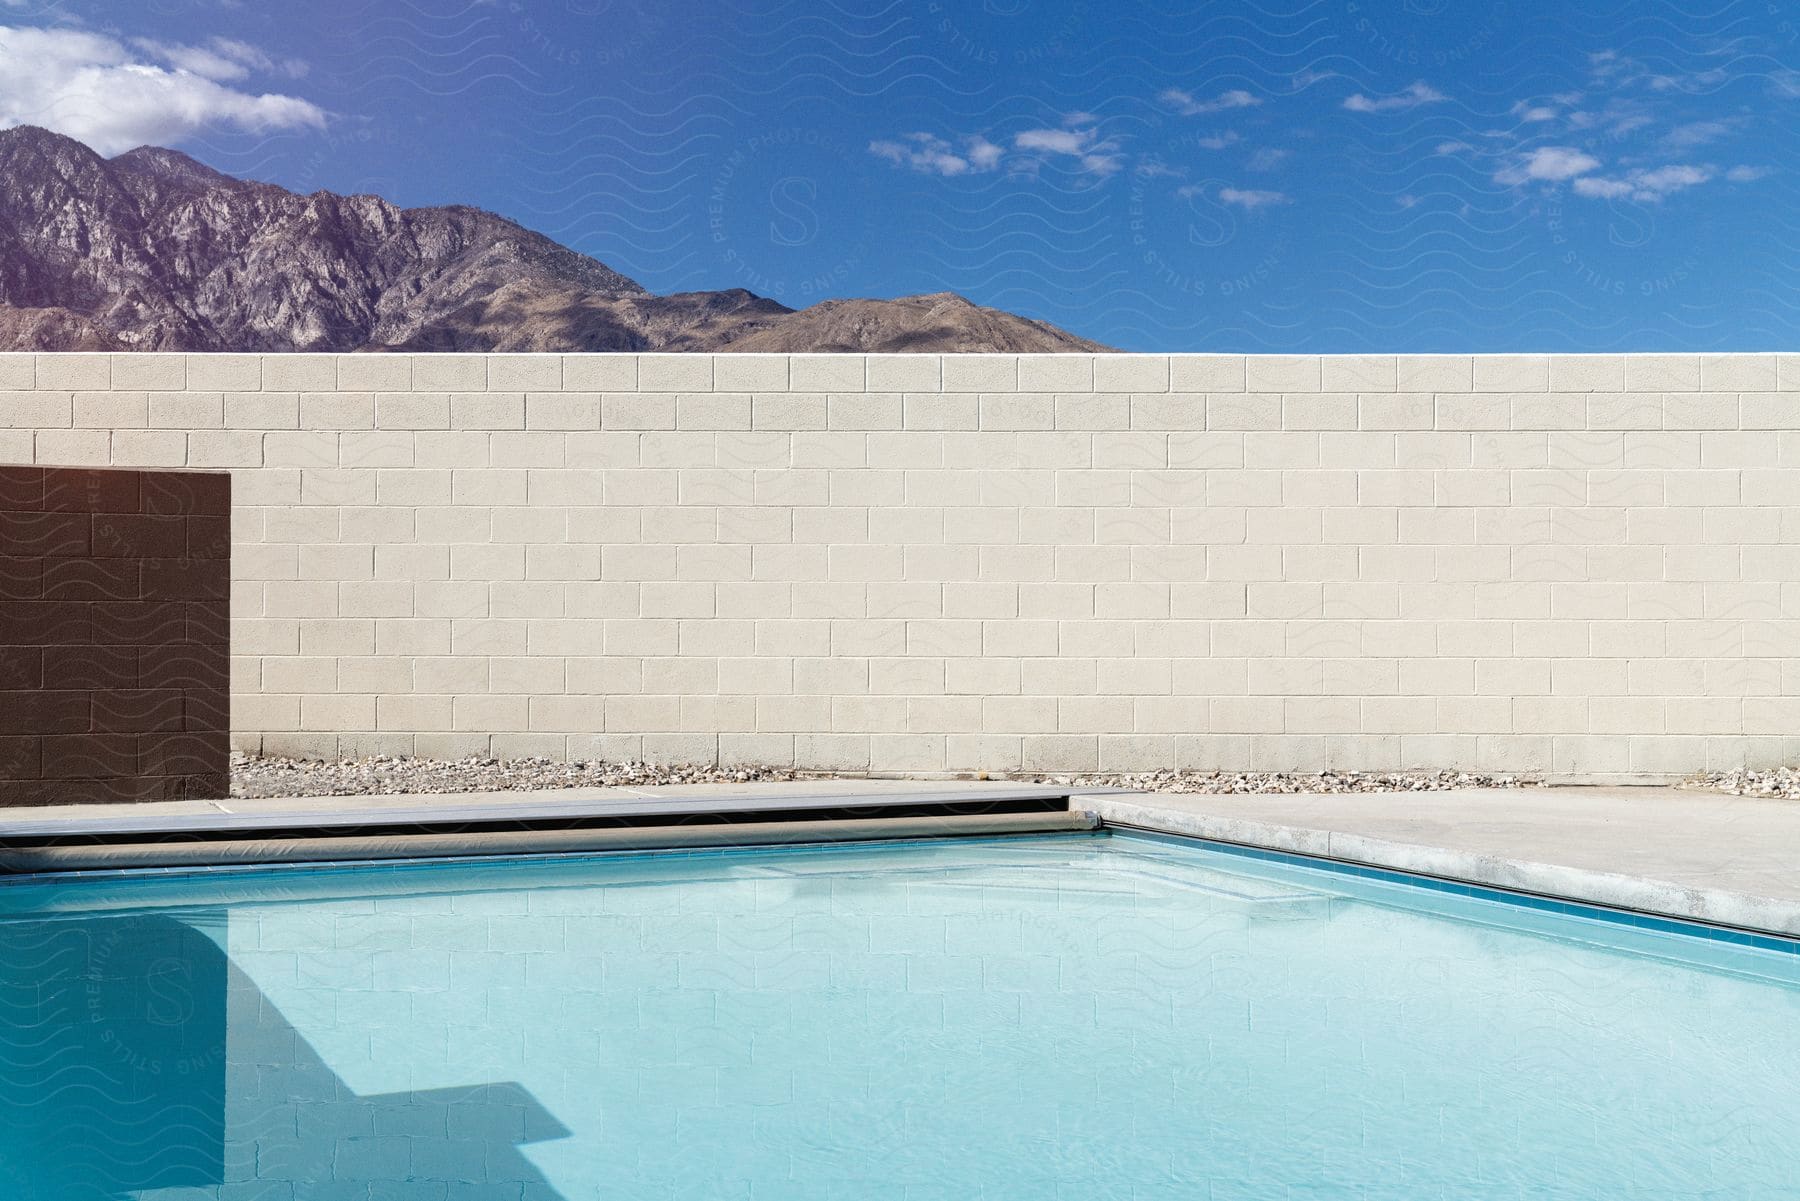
(1719, 908)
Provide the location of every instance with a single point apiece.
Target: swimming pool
(1107, 1016)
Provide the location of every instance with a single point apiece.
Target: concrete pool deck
(1701, 856)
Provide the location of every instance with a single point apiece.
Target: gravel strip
(1218, 783)
(254, 776)
(1782, 782)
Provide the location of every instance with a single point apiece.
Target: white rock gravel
(255, 776)
(381, 775)
(1293, 782)
(1783, 782)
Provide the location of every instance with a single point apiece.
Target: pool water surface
(1067, 1017)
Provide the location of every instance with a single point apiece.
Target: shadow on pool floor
(134, 1056)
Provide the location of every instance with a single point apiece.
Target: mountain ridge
(154, 250)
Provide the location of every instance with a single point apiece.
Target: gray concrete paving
(1733, 861)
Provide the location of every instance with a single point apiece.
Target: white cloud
(1699, 81)
(1699, 133)
(1618, 70)
(934, 156)
(1453, 148)
(1747, 174)
(1268, 158)
(1155, 169)
(1415, 95)
(1078, 139)
(1054, 141)
(1529, 112)
(1547, 164)
(1645, 186)
(983, 154)
(222, 60)
(1189, 105)
(102, 92)
(1603, 189)
(1609, 64)
(1249, 198)
(1218, 141)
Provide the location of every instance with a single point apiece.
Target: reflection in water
(134, 1057)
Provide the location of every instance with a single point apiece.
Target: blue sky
(1298, 175)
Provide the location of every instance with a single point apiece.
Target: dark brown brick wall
(114, 650)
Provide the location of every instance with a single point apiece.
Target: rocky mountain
(153, 250)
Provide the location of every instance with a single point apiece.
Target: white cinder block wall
(1584, 565)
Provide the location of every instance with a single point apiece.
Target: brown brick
(21, 577)
(31, 792)
(73, 756)
(19, 758)
(92, 666)
(46, 711)
(43, 623)
(186, 492)
(184, 579)
(114, 635)
(44, 533)
(91, 579)
(207, 786)
(194, 754)
(209, 537)
(138, 710)
(137, 536)
(90, 490)
(138, 623)
(197, 665)
(209, 622)
(21, 667)
(104, 791)
(21, 488)
(206, 710)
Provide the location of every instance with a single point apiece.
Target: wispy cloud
(1155, 168)
(1644, 186)
(1547, 164)
(1078, 139)
(1189, 105)
(1748, 174)
(983, 154)
(222, 60)
(1252, 199)
(1219, 141)
(1534, 111)
(1611, 68)
(1417, 94)
(1268, 158)
(933, 155)
(1701, 133)
(115, 96)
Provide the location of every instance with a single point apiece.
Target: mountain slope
(152, 250)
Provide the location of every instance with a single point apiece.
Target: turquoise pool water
(1061, 1018)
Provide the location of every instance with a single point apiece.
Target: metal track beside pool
(460, 826)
